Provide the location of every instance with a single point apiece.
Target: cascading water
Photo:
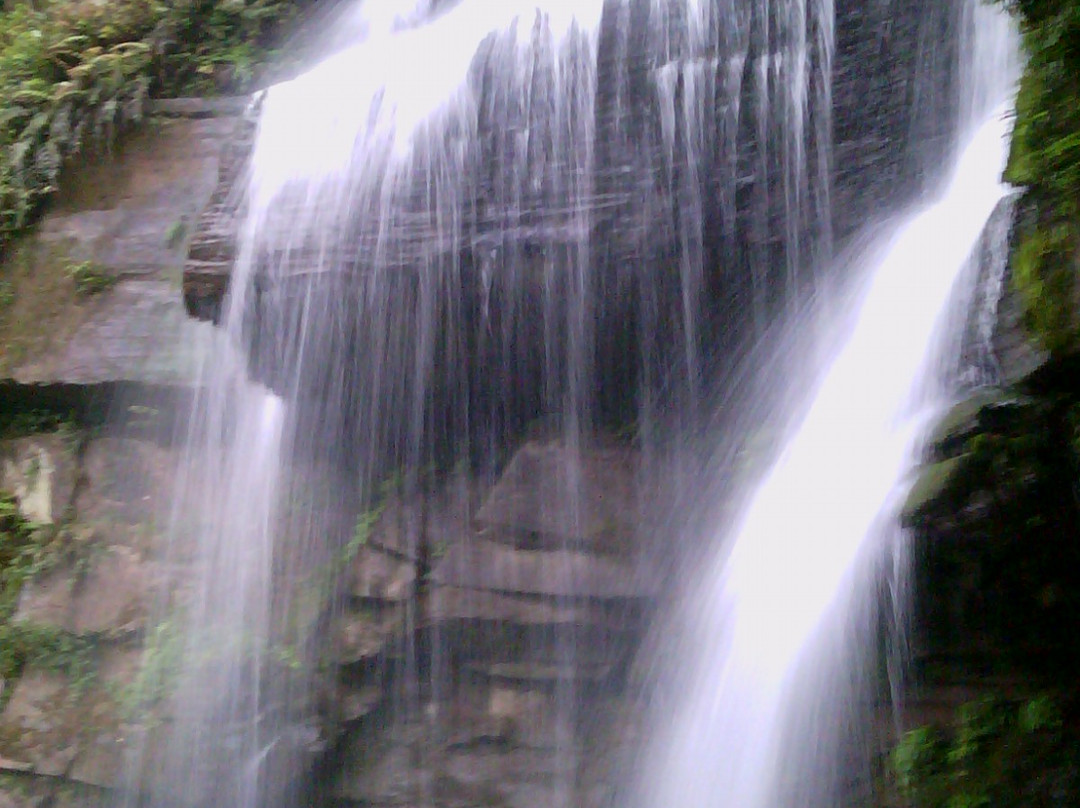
(777, 636)
(483, 215)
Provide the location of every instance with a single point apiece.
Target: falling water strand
(459, 225)
(772, 621)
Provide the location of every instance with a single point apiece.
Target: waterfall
(485, 215)
(772, 646)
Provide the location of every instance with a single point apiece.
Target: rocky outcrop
(66, 721)
(530, 617)
(92, 296)
(992, 513)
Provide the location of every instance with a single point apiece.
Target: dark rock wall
(602, 275)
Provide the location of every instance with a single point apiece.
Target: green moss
(29, 644)
(1044, 274)
(162, 660)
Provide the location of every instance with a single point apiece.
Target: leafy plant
(23, 644)
(998, 753)
(90, 278)
(1045, 161)
(21, 543)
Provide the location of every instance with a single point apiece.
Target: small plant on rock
(90, 278)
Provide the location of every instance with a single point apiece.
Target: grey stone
(544, 672)
(376, 575)
(435, 519)
(387, 775)
(199, 107)
(137, 331)
(130, 216)
(40, 471)
(453, 604)
(357, 703)
(34, 737)
(487, 565)
(128, 489)
(557, 495)
(111, 597)
(50, 729)
(399, 528)
(364, 635)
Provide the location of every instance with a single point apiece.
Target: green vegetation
(176, 233)
(50, 648)
(998, 753)
(161, 662)
(1045, 160)
(17, 423)
(90, 278)
(75, 75)
(26, 550)
(20, 552)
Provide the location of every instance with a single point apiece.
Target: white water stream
(768, 647)
(365, 171)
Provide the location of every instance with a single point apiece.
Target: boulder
(931, 486)
(358, 703)
(428, 522)
(365, 635)
(58, 727)
(399, 528)
(95, 295)
(127, 488)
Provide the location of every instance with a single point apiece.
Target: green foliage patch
(21, 543)
(998, 753)
(74, 75)
(26, 550)
(1045, 160)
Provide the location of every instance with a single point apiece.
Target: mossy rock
(966, 418)
(933, 487)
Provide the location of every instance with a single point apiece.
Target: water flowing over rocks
(711, 138)
(470, 610)
(501, 618)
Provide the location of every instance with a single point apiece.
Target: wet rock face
(65, 721)
(997, 585)
(549, 497)
(94, 290)
(41, 472)
(726, 208)
(524, 618)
